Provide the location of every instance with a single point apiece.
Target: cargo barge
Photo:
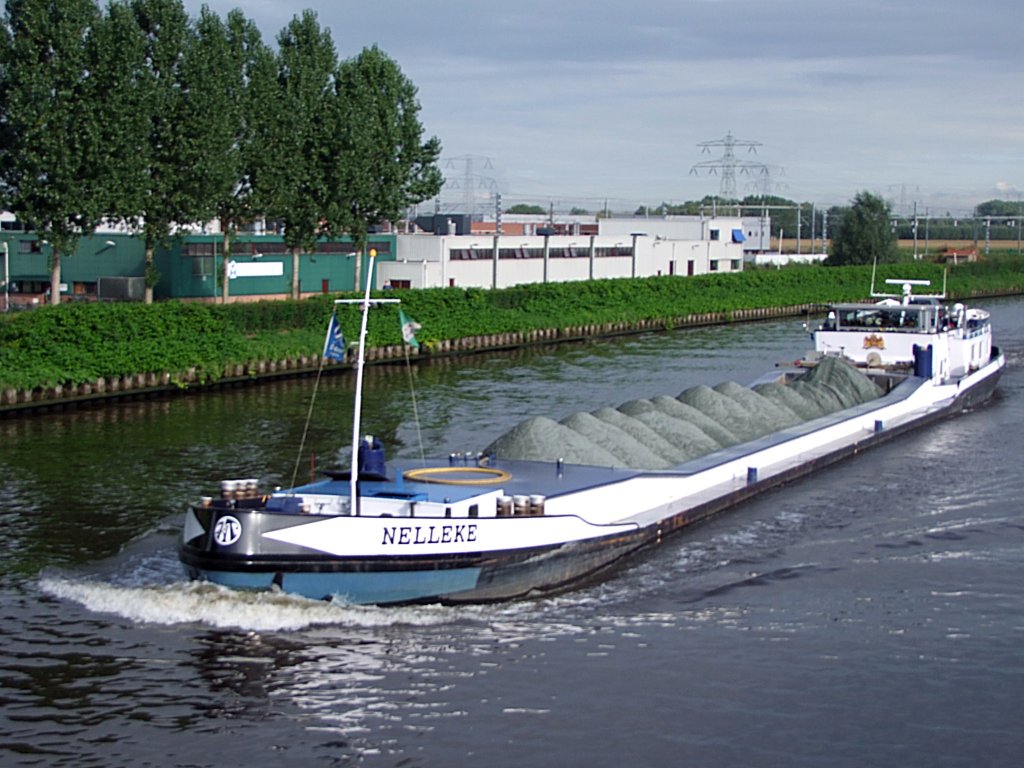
(544, 510)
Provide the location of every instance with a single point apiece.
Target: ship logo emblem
(874, 341)
(227, 531)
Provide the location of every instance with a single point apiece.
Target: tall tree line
(138, 114)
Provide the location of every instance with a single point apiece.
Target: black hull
(495, 576)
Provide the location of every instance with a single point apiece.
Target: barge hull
(514, 573)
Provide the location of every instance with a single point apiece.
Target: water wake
(199, 603)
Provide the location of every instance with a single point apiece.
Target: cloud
(571, 99)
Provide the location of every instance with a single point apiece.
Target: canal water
(871, 614)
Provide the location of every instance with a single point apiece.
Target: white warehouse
(627, 247)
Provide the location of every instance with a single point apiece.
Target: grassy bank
(77, 343)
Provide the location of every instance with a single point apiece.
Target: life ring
(491, 476)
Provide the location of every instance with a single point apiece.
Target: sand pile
(665, 431)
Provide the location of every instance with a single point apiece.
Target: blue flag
(334, 344)
(409, 328)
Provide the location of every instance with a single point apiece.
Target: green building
(112, 266)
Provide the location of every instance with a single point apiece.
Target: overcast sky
(576, 102)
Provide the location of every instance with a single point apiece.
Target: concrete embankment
(162, 384)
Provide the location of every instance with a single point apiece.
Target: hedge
(76, 343)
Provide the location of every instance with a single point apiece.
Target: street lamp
(7, 279)
(635, 235)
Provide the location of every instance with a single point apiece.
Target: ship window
(474, 510)
(886, 317)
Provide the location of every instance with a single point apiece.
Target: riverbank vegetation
(76, 343)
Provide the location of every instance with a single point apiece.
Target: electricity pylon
(728, 163)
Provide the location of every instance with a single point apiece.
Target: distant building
(629, 247)
(453, 250)
(111, 265)
(513, 224)
(776, 259)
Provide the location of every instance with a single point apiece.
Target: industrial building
(111, 266)
(620, 247)
(453, 251)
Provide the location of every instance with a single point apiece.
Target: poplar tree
(158, 197)
(223, 63)
(210, 86)
(385, 166)
(138, 116)
(52, 172)
(297, 141)
(249, 78)
(124, 128)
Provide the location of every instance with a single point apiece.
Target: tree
(385, 165)
(159, 195)
(864, 233)
(52, 170)
(526, 208)
(300, 141)
(124, 128)
(999, 208)
(225, 65)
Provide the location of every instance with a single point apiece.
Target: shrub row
(77, 343)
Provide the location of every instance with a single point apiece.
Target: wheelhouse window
(890, 318)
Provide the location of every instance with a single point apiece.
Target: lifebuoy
(440, 475)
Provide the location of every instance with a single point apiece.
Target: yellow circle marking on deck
(439, 475)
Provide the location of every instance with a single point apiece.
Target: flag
(409, 328)
(334, 344)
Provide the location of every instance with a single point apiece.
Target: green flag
(409, 328)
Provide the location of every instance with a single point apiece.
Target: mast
(365, 303)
